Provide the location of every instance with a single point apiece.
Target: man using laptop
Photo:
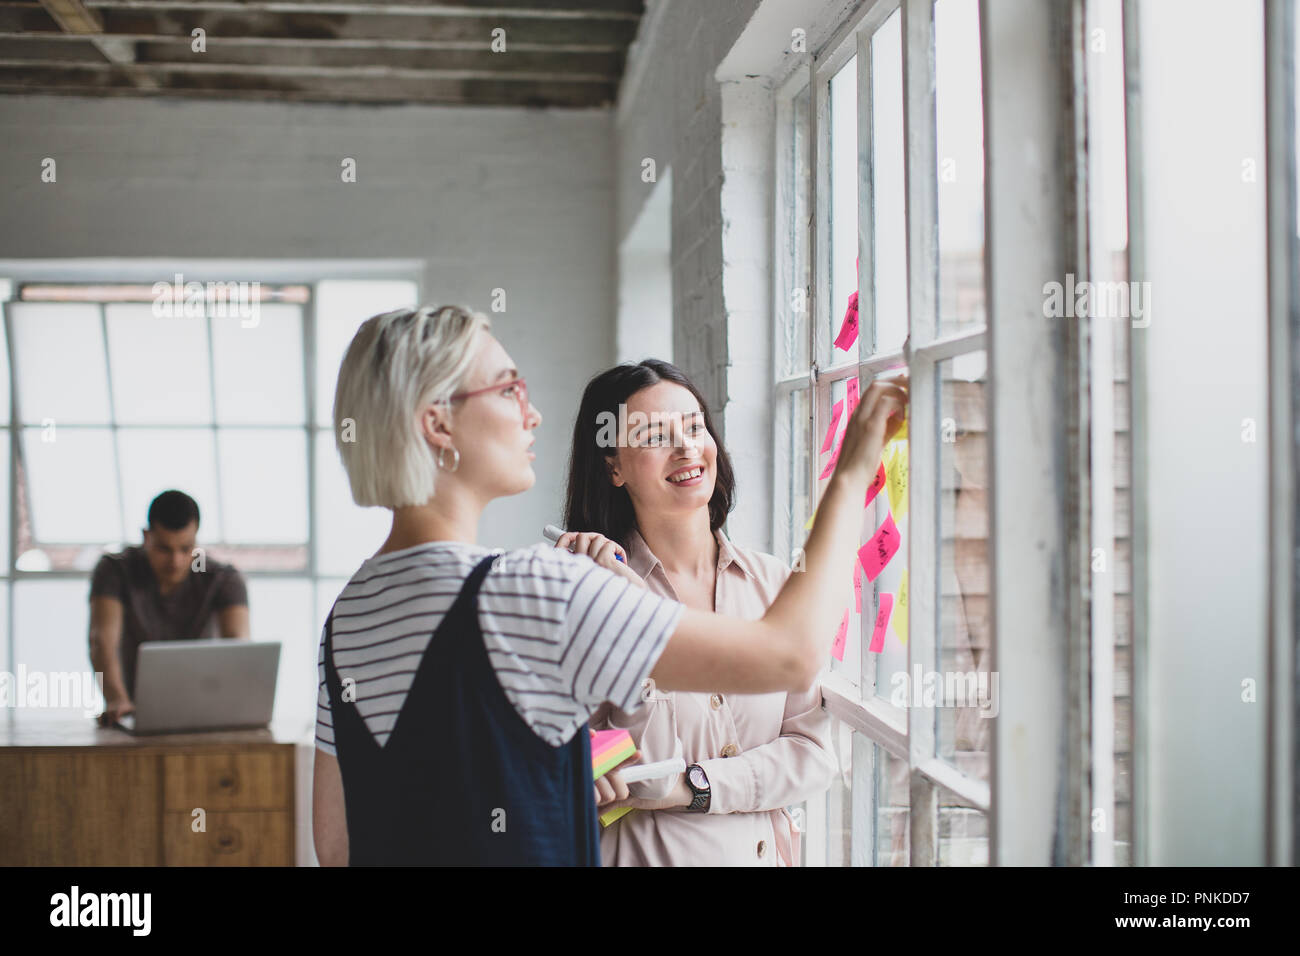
(154, 593)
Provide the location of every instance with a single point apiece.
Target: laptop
(218, 684)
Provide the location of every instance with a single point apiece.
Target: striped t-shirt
(562, 633)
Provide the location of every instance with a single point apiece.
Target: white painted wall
(485, 198)
(1205, 232)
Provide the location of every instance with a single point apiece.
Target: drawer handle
(228, 841)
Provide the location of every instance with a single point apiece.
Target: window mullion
(921, 210)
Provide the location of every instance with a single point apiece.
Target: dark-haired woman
(662, 493)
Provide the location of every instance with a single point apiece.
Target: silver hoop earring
(455, 460)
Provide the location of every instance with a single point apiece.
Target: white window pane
(263, 485)
(888, 188)
(155, 460)
(51, 619)
(794, 198)
(4, 364)
(5, 648)
(159, 367)
(59, 348)
(341, 306)
(959, 144)
(345, 534)
(72, 481)
(893, 810)
(280, 610)
(964, 733)
(4, 504)
(843, 206)
(258, 369)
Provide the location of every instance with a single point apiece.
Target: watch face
(698, 779)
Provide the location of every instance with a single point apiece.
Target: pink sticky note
(834, 459)
(852, 400)
(836, 409)
(877, 552)
(857, 586)
(841, 637)
(848, 333)
(876, 485)
(882, 622)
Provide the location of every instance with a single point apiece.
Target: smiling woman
(662, 491)
(657, 408)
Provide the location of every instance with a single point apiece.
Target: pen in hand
(553, 535)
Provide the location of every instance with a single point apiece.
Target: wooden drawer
(257, 780)
(242, 838)
(78, 808)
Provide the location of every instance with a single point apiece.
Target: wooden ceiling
(558, 53)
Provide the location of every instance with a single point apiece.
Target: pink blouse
(760, 752)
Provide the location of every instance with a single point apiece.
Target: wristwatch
(698, 781)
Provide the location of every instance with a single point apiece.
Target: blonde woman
(455, 681)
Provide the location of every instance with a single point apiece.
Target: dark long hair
(592, 503)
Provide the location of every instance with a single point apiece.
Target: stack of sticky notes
(609, 748)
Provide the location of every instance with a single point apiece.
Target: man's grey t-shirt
(188, 613)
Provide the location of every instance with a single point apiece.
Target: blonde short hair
(397, 363)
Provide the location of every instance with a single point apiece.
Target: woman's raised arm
(785, 649)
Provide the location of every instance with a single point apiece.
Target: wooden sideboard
(75, 794)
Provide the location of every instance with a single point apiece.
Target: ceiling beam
(99, 80)
(373, 70)
(75, 18)
(564, 9)
(524, 31)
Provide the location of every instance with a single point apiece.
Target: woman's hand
(610, 788)
(878, 417)
(600, 549)
(678, 798)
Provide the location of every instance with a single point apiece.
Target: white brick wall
(517, 199)
(671, 109)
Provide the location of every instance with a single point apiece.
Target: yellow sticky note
(609, 816)
(902, 433)
(899, 620)
(807, 525)
(896, 481)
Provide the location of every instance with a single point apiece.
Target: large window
(881, 265)
(224, 391)
(844, 233)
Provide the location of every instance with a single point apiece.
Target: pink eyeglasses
(516, 383)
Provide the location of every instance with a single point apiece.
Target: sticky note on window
(900, 609)
(857, 586)
(830, 465)
(852, 397)
(807, 525)
(902, 433)
(848, 333)
(896, 480)
(882, 622)
(876, 484)
(836, 410)
(877, 552)
(841, 637)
